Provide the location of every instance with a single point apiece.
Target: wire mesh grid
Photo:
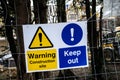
(111, 70)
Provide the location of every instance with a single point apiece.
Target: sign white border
(53, 31)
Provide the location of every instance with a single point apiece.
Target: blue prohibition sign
(72, 34)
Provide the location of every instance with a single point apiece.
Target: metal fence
(111, 59)
(111, 63)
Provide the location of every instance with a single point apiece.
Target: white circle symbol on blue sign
(72, 34)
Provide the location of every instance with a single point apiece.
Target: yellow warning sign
(40, 40)
(41, 60)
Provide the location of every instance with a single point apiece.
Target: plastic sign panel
(55, 46)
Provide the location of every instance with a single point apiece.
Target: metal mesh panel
(111, 58)
(111, 70)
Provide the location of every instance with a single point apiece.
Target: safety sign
(40, 40)
(70, 34)
(55, 46)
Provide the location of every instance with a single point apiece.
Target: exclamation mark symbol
(72, 34)
(40, 38)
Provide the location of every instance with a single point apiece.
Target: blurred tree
(96, 54)
(8, 27)
(40, 11)
(61, 14)
(40, 16)
(22, 14)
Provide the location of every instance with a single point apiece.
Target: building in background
(111, 14)
(111, 8)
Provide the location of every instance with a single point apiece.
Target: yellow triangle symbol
(40, 40)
